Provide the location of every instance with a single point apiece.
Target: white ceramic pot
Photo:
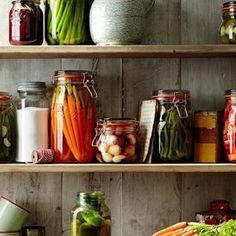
(116, 22)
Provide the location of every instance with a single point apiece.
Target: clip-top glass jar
(230, 125)
(228, 26)
(32, 119)
(173, 138)
(26, 23)
(90, 216)
(117, 140)
(73, 116)
(7, 128)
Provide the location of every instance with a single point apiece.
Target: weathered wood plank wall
(140, 203)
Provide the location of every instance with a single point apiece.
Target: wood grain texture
(109, 183)
(40, 193)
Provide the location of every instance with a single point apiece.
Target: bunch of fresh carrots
(178, 229)
(73, 117)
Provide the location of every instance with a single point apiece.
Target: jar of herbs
(228, 26)
(90, 216)
(173, 138)
(7, 128)
(26, 23)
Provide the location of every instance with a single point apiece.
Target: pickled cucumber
(87, 230)
(92, 217)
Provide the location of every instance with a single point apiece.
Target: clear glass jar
(66, 22)
(173, 138)
(228, 25)
(32, 119)
(26, 23)
(90, 216)
(116, 140)
(73, 116)
(7, 129)
(229, 132)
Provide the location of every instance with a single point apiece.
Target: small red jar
(26, 23)
(219, 212)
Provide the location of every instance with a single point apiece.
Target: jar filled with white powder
(32, 119)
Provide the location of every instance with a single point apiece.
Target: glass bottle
(7, 128)
(66, 22)
(117, 140)
(173, 138)
(32, 119)
(73, 116)
(26, 23)
(228, 25)
(90, 216)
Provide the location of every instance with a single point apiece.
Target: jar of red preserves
(73, 116)
(26, 23)
(230, 125)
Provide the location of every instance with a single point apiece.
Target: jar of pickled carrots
(117, 140)
(90, 216)
(73, 116)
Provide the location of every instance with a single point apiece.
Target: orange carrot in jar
(189, 233)
(171, 233)
(171, 228)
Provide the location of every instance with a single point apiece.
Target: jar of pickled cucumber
(7, 128)
(90, 216)
(228, 26)
(173, 138)
(117, 140)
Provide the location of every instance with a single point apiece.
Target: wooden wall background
(140, 202)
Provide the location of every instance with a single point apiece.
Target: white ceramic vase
(115, 22)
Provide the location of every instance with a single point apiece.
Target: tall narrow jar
(73, 115)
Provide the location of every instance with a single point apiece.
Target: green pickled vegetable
(87, 230)
(92, 217)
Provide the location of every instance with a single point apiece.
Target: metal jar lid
(31, 86)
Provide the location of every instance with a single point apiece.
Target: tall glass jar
(32, 119)
(228, 26)
(173, 138)
(73, 116)
(66, 22)
(90, 216)
(7, 128)
(230, 125)
(117, 140)
(26, 23)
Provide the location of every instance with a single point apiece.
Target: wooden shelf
(128, 51)
(86, 168)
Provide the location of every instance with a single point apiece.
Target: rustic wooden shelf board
(131, 51)
(86, 168)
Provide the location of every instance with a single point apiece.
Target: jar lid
(31, 86)
(229, 6)
(4, 96)
(230, 93)
(171, 94)
(115, 122)
(72, 74)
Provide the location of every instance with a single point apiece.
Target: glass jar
(90, 216)
(26, 23)
(229, 132)
(173, 138)
(66, 22)
(73, 116)
(116, 140)
(219, 212)
(228, 25)
(32, 119)
(7, 128)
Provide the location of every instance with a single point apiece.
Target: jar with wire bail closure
(116, 140)
(73, 116)
(173, 137)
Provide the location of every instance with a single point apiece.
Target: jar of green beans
(7, 128)
(66, 22)
(173, 137)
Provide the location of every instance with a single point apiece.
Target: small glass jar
(7, 129)
(73, 116)
(66, 22)
(117, 140)
(32, 119)
(228, 25)
(90, 216)
(26, 23)
(219, 212)
(173, 138)
(229, 133)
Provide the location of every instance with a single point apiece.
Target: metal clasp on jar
(178, 103)
(89, 85)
